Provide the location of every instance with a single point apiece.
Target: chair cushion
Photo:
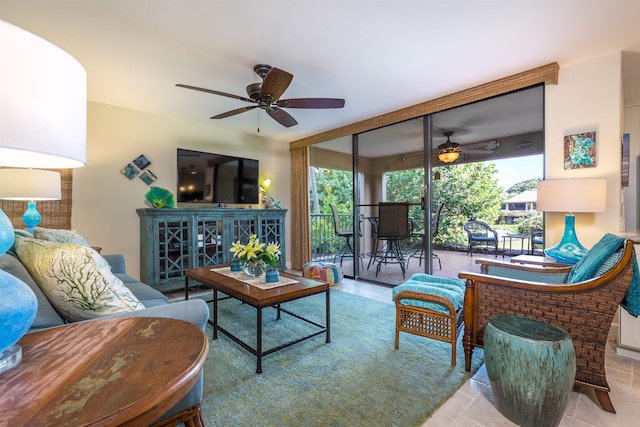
(323, 271)
(75, 279)
(449, 288)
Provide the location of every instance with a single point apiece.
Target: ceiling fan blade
(472, 151)
(275, 83)
(234, 112)
(311, 103)
(281, 116)
(215, 92)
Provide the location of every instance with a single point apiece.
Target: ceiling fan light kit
(266, 96)
(449, 151)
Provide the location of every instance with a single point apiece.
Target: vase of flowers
(255, 256)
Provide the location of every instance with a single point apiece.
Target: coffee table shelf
(261, 299)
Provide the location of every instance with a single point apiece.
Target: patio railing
(324, 242)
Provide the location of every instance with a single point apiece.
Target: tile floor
(473, 403)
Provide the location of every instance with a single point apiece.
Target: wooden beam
(547, 74)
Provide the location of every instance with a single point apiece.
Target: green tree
(468, 191)
(520, 187)
(332, 186)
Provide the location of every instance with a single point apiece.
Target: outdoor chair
(419, 253)
(347, 250)
(537, 240)
(481, 234)
(393, 229)
(376, 250)
(558, 295)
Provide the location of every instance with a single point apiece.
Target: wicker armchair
(585, 309)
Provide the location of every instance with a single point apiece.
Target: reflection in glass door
(331, 204)
(391, 168)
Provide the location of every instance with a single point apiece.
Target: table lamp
(30, 185)
(570, 195)
(43, 99)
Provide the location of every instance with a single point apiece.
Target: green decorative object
(160, 197)
(531, 367)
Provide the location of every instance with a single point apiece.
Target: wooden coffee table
(124, 372)
(260, 299)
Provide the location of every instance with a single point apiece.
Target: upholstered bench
(323, 271)
(430, 306)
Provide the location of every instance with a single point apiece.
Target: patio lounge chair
(480, 233)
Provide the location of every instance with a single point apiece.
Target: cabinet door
(272, 230)
(173, 250)
(210, 248)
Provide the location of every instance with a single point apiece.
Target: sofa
(156, 304)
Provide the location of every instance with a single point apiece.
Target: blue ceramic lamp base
(31, 217)
(10, 357)
(569, 250)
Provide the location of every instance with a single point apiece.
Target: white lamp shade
(43, 103)
(29, 184)
(572, 195)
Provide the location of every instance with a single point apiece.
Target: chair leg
(435, 256)
(605, 401)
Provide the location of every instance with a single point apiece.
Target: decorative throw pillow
(59, 236)
(75, 279)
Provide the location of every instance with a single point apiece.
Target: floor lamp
(43, 99)
(570, 196)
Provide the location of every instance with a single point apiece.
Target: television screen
(216, 178)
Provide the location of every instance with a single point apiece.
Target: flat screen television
(216, 178)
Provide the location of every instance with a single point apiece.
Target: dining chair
(393, 229)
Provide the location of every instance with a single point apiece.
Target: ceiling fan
(266, 95)
(450, 151)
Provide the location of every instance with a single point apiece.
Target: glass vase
(253, 268)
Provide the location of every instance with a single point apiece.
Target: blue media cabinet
(174, 240)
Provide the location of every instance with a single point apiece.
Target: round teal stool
(531, 367)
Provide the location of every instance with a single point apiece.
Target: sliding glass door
(493, 144)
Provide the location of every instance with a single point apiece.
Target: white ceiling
(378, 55)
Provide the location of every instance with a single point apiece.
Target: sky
(515, 170)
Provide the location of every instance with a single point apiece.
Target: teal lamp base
(569, 250)
(31, 217)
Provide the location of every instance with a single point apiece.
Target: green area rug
(356, 380)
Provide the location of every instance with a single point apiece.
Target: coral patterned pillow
(75, 279)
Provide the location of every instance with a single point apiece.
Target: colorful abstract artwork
(580, 150)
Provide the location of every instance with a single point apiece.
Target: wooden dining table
(125, 372)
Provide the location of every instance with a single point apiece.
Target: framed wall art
(141, 162)
(130, 171)
(148, 177)
(580, 150)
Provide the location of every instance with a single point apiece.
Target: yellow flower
(254, 250)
